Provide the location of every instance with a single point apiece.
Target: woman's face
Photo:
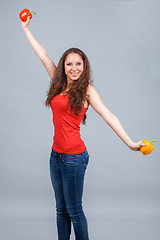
(73, 66)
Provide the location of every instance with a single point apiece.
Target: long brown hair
(77, 89)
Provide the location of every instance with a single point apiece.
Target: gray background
(122, 193)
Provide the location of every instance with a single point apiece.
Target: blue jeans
(67, 173)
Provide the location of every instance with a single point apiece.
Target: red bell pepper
(25, 13)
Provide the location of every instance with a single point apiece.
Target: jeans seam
(76, 204)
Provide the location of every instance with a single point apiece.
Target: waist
(72, 145)
(78, 154)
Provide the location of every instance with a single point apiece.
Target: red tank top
(67, 138)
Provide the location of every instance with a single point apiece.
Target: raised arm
(39, 49)
(97, 104)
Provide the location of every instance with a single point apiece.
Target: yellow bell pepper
(148, 148)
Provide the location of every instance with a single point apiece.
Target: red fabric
(67, 138)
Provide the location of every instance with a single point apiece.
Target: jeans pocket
(70, 160)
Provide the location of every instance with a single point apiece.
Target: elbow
(113, 118)
(43, 55)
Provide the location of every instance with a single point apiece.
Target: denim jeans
(67, 173)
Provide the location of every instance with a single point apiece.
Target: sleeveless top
(67, 138)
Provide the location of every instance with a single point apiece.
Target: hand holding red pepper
(24, 14)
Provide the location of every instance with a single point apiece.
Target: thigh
(82, 160)
(73, 172)
(56, 178)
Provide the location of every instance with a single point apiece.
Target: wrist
(25, 29)
(131, 145)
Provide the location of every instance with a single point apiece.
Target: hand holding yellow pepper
(148, 148)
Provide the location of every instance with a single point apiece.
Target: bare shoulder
(90, 90)
(92, 93)
(95, 100)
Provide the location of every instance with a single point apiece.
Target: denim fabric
(67, 173)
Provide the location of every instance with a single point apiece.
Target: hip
(70, 162)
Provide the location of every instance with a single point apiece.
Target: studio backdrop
(121, 192)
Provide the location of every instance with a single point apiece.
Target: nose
(74, 67)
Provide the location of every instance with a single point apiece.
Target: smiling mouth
(74, 74)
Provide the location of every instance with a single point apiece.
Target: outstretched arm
(97, 104)
(39, 49)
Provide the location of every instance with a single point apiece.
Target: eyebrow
(76, 62)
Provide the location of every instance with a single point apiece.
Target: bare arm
(97, 104)
(39, 49)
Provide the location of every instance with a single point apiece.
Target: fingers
(137, 146)
(26, 24)
(28, 19)
(142, 144)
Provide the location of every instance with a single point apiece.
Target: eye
(78, 63)
(68, 64)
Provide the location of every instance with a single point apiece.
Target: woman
(69, 96)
